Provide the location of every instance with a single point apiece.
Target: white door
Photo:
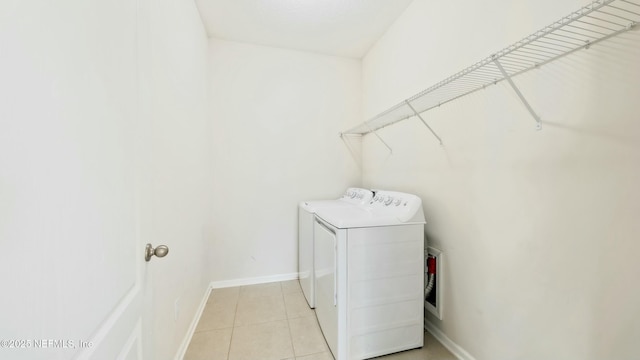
(72, 188)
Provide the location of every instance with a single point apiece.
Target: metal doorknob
(160, 251)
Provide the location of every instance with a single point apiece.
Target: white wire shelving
(600, 20)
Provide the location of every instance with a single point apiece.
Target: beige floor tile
(432, 350)
(436, 349)
(209, 345)
(260, 290)
(273, 321)
(256, 310)
(320, 356)
(224, 294)
(291, 286)
(306, 336)
(225, 300)
(296, 305)
(269, 341)
(217, 315)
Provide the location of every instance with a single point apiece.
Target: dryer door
(325, 273)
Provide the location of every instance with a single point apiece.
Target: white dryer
(369, 276)
(306, 219)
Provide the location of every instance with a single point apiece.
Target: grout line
(286, 315)
(233, 326)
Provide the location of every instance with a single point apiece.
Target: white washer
(306, 218)
(369, 276)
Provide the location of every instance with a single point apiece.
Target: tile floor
(272, 322)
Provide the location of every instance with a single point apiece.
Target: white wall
(103, 138)
(276, 116)
(539, 229)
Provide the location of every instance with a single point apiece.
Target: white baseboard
(192, 328)
(253, 281)
(455, 349)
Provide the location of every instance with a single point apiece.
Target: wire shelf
(595, 22)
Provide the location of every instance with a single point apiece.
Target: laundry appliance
(306, 219)
(369, 276)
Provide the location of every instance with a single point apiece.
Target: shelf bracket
(379, 138)
(424, 122)
(515, 88)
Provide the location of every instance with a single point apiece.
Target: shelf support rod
(379, 138)
(515, 88)
(424, 122)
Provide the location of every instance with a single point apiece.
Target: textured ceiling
(334, 27)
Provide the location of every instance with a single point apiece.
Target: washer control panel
(400, 205)
(358, 195)
(392, 198)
